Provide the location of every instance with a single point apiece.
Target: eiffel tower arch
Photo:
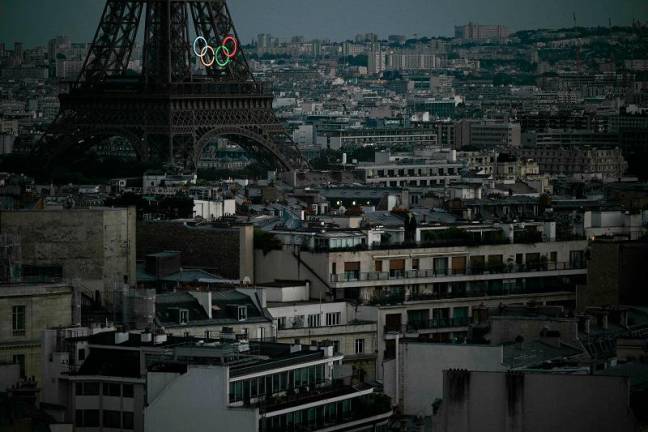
(169, 112)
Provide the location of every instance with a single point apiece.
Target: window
(111, 389)
(184, 316)
(81, 355)
(298, 321)
(441, 266)
(281, 323)
(18, 320)
(334, 268)
(532, 260)
(396, 267)
(352, 270)
(127, 390)
(87, 389)
(333, 318)
(577, 259)
(19, 359)
(477, 264)
(87, 418)
(242, 313)
(459, 265)
(495, 263)
(111, 419)
(336, 346)
(415, 263)
(314, 320)
(359, 346)
(378, 266)
(553, 257)
(127, 420)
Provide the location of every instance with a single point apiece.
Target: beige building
(430, 291)
(602, 162)
(26, 311)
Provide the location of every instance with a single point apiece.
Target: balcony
(436, 323)
(449, 275)
(339, 415)
(395, 299)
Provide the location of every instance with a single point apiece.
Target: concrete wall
(217, 250)
(616, 272)
(196, 401)
(290, 265)
(534, 402)
(422, 365)
(95, 246)
(246, 253)
(506, 329)
(286, 294)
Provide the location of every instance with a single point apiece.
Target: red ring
(235, 49)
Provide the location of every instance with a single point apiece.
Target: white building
(299, 319)
(157, 383)
(214, 209)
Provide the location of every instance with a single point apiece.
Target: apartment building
(299, 319)
(383, 136)
(410, 172)
(429, 288)
(574, 160)
(487, 135)
(480, 32)
(568, 137)
(144, 382)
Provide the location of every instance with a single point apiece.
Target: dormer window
(183, 316)
(242, 313)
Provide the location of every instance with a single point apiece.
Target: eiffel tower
(168, 112)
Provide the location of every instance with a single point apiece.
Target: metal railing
(436, 323)
(481, 292)
(364, 407)
(468, 271)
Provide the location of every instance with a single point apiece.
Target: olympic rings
(222, 55)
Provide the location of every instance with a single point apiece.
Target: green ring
(228, 59)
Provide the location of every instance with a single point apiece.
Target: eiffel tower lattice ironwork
(168, 111)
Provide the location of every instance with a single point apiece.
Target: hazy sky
(35, 21)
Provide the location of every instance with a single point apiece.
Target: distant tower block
(168, 113)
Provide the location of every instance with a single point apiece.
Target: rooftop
(535, 354)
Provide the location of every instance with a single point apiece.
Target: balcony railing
(483, 292)
(443, 273)
(363, 408)
(436, 323)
